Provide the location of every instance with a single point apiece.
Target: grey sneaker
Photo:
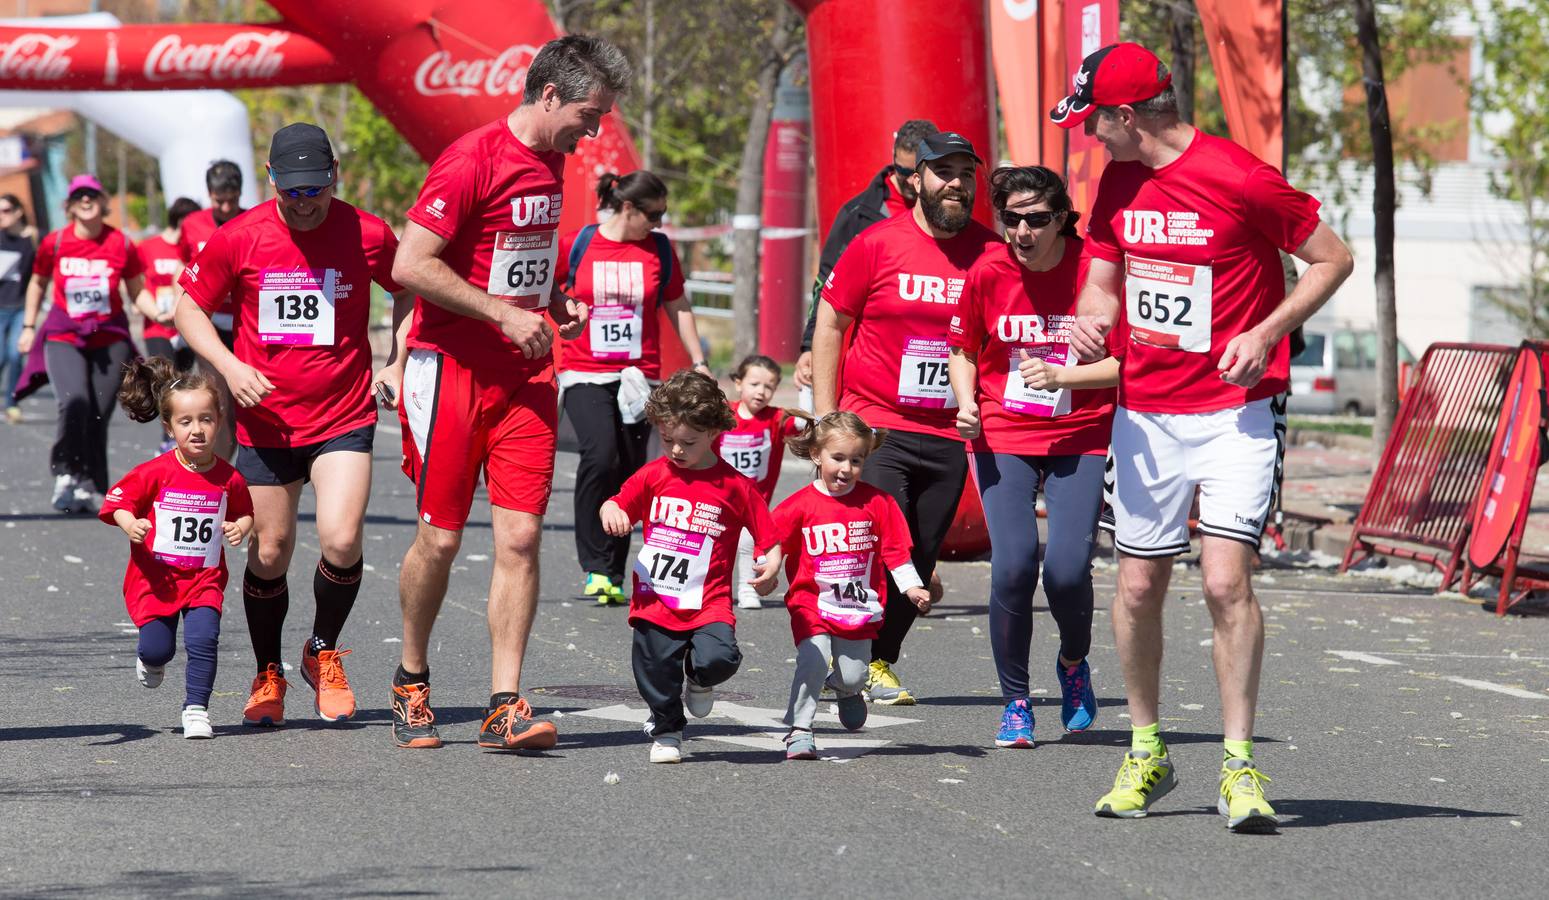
(667, 748)
(883, 687)
(852, 712)
(799, 745)
(150, 676)
(697, 699)
(196, 723)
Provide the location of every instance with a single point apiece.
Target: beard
(937, 214)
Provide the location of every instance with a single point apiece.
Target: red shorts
(457, 422)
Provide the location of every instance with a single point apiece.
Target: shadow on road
(121, 732)
(1315, 813)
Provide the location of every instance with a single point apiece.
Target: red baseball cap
(1113, 75)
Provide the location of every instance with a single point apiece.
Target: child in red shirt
(755, 447)
(841, 539)
(176, 508)
(694, 507)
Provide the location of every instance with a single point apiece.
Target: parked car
(1337, 372)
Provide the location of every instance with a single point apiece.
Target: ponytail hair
(809, 441)
(148, 384)
(636, 188)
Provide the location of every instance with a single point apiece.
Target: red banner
(155, 57)
(1090, 25)
(1053, 80)
(1245, 41)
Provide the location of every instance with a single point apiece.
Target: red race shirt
(756, 447)
(901, 286)
(84, 276)
(895, 203)
(182, 562)
(497, 204)
(619, 281)
(693, 519)
(1007, 309)
(1197, 242)
(160, 261)
(193, 233)
(304, 307)
(838, 552)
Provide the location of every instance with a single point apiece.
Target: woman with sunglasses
(625, 271)
(83, 343)
(16, 254)
(1037, 423)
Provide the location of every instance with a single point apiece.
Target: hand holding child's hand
(767, 574)
(137, 530)
(920, 597)
(614, 520)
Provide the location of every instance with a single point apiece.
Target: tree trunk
(648, 91)
(748, 220)
(1181, 33)
(1383, 203)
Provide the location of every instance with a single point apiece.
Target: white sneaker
(196, 723)
(86, 500)
(697, 700)
(667, 748)
(64, 492)
(749, 601)
(150, 676)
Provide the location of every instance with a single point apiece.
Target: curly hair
(809, 441)
(148, 384)
(690, 398)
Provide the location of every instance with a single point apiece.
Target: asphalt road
(1407, 737)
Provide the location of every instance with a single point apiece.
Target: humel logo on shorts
(1147, 226)
(536, 209)
(930, 288)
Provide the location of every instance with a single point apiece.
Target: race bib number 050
(296, 307)
(521, 267)
(87, 295)
(1167, 304)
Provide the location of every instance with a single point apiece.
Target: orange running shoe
(510, 727)
(324, 673)
(413, 721)
(266, 705)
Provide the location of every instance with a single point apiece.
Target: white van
(1337, 372)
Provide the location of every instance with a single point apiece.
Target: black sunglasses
(78, 196)
(298, 193)
(654, 216)
(1033, 219)
(902, 171)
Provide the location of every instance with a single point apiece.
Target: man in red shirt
(223, 179)
(300, 268)
(480, 249)
(1184, 239)
(898, 283)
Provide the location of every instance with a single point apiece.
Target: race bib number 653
(521, 267)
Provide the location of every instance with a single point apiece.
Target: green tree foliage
(1515, 48)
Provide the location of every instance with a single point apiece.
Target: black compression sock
(265, 601)
(404, 677)
(335, 589)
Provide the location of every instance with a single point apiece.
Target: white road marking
(1357, 656)
(831, 747)
(1497, 688)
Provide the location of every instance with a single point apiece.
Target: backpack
(663, 256)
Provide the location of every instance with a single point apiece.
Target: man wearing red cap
(1184, 237)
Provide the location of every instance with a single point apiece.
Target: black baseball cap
(943, 143)
(301, 157)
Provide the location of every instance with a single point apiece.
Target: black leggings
(86, 385)
(925, 474)
(610, 452)
(183, 358)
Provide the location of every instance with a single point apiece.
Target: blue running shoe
(1078, 706)
(1016, 726)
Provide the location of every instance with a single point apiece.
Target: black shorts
(274, 466)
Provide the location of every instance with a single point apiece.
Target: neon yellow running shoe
(883, 687)
(602, 588)
(1242, 798)
(1142, 780)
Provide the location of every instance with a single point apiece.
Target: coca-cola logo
(505, 75)
(244, 55)
(36, 57)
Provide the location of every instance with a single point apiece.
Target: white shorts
(1230, 455)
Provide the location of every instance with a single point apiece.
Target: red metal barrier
(1422, 496)
(1506, 490)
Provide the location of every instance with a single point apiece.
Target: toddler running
(755, 447)
(693, 507)
(832, 533)
(176, 508)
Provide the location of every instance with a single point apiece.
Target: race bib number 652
(1167, 304)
